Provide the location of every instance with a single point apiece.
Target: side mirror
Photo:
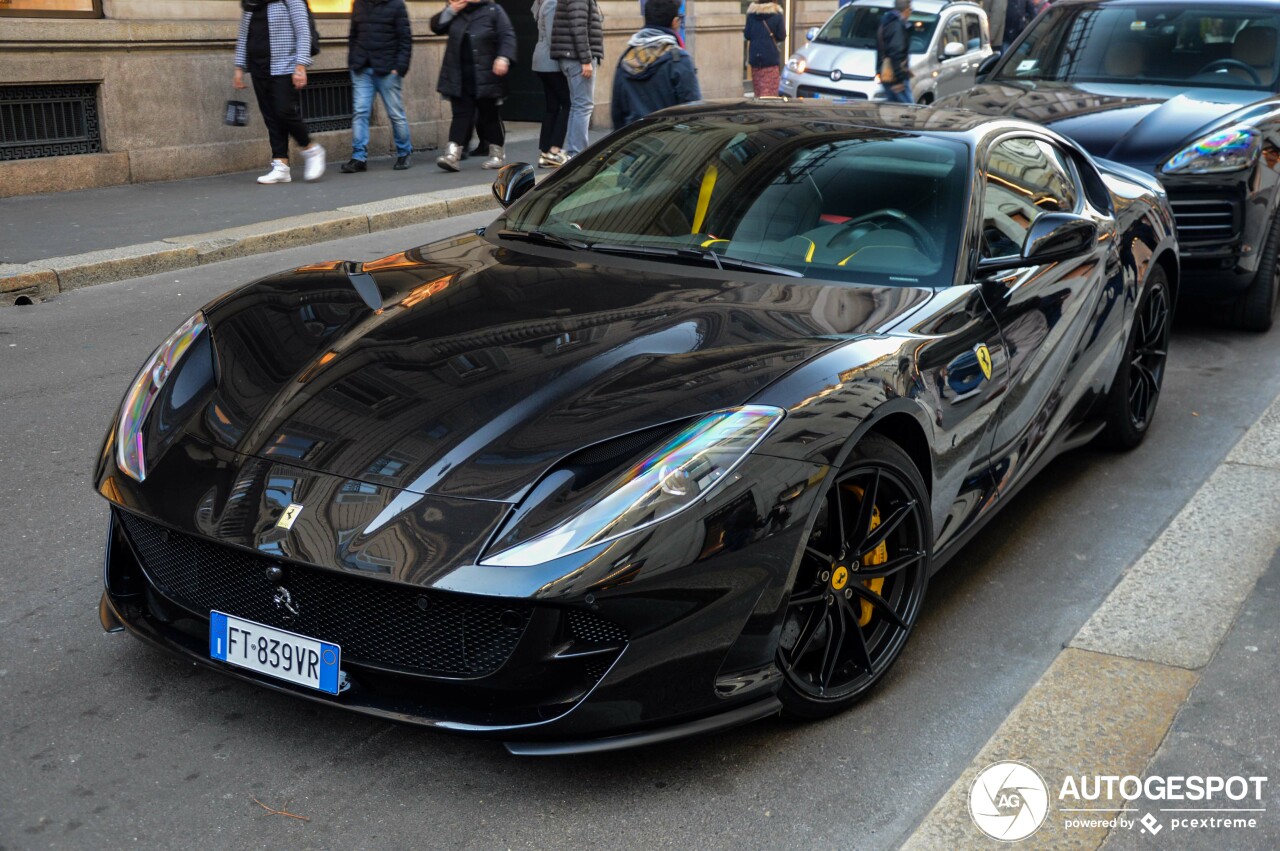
(954, 49)
(1058, 236)
(513, 181)
(1052, 237)
(811, 33)
(986, 65)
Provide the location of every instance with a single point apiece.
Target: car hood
(1139, 125)
(849, 61)
(487, 365)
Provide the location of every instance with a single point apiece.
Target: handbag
(886, 72)
(237, 114)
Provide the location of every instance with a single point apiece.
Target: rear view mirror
(954, 49)
(512, 182)
(811, 34)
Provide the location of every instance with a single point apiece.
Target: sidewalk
(1173, 676)
(61, 241)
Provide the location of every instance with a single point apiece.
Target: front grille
(817, 92)
(590, 629)
(377, 623)
(326, 101)
(49, 121)
(1205, 219)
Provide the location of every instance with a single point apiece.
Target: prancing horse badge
(291, 513)
(984, 363)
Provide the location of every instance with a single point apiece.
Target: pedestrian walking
(654, 72)
(555, 90)
(477, 57)
(764, 31)
(577, 42)
(893, 40)
(379, 47)
(274, 47)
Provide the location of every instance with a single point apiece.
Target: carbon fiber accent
(377, 623)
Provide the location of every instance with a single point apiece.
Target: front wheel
(1135, 390)
(1256, 308)
(860, 583)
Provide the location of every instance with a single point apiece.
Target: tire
(860, 584)
(1256, 308)
(1135, 389)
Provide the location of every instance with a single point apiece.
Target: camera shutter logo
(1008, 801)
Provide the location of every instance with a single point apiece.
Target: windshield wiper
(543, 238)
(700, 255)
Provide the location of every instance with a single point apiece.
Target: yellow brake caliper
(878, 556)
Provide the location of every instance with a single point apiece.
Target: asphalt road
(107, 743)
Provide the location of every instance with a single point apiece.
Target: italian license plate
(274, 652)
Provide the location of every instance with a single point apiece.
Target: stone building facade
(105, 92)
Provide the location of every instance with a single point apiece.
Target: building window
(326, 101)
(49, 121)
(52, 8)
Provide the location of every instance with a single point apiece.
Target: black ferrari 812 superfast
(675, 443)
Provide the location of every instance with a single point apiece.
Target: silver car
(948, 42)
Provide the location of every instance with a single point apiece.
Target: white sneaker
(313, 162)
(279, 173)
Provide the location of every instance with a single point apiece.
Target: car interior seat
(1255, 46)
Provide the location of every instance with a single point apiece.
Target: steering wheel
(891, 219)
(1230, 65)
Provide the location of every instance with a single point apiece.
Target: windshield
(856, 26)
(1218, 44)
(817, 198)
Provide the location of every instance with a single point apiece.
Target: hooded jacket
(653, 73)
(765, 28)
(487, 33)
(380, 37)
(578, 31)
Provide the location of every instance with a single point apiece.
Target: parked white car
(949, 39)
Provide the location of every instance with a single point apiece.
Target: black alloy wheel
(1135, 390)
(860, 583)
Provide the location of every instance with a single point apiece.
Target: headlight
(142, 394)
(1232, 149)
(684, 469)
(797, 63)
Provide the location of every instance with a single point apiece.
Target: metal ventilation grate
(326, 101)
(49, 121)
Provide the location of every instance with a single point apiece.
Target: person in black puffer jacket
(480, 50)
(577, 42)
(379, 46)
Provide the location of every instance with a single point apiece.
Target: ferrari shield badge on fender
(291, 513)
(984, 362)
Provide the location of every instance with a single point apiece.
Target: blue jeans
(903, 96)
(363, 84)
(581, 102)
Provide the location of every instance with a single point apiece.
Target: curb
(41, 279)
(1109, 699)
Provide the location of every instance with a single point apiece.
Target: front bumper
(669, 634)
(1222, 222)
(821, 86)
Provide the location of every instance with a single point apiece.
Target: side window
(1025, 178)
(954, 30)
(973, 32)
